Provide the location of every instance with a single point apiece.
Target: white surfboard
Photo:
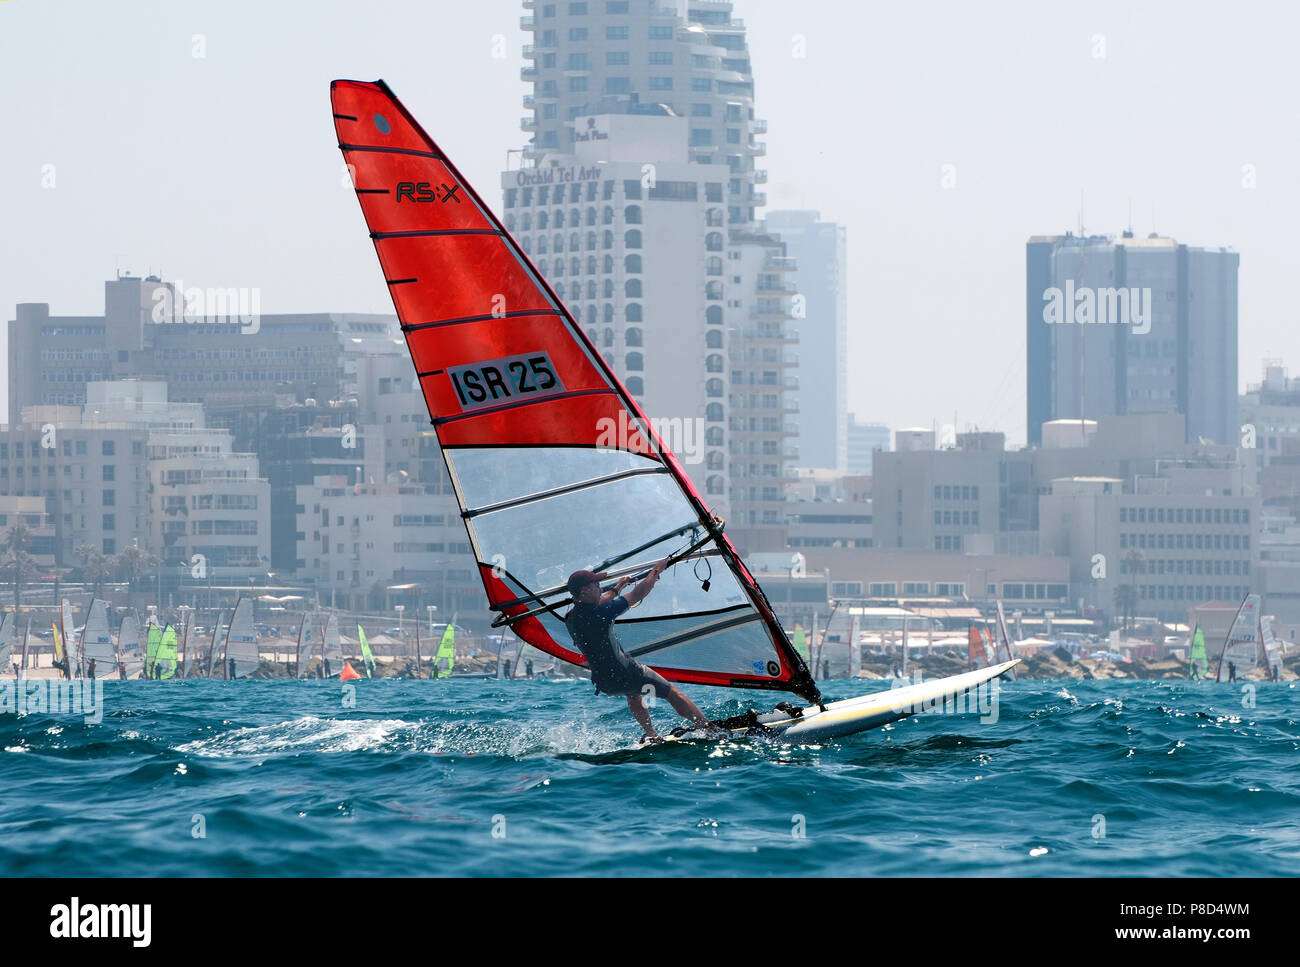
(851, 715)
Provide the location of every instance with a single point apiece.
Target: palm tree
(96, 568)
(1125, 602)
(1136, 563)
(15, 560)
(132, 562)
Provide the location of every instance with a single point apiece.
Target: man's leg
(639, 712)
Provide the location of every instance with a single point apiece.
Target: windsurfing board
(851, 715)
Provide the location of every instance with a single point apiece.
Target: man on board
(591, 625)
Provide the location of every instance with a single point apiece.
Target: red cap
(580, 579)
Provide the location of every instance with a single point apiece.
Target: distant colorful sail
(978, 654)
(1199, 661)
(1241, 649)
(800, 641)
(446, 653)
(366, 655)
(165, 663)
(153, 637)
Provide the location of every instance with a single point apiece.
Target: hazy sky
(222, 169)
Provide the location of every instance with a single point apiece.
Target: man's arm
(647, 584)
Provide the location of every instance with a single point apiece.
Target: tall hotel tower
(637, 198)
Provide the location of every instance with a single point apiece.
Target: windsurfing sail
(1005, 650)
(331, 648)
(1241, 648)
(980, 654)
(1272, 650)
(69, 629)
(799, 639)
(366, 655)
(537, 432)
(446, 652)
(58, 647)
(418, 671)
(153, 637)
(7, 626)
(165, 663)
(129, 651)
(1199, 662)
(27, 642)
(306, 635)
(241, 642)
(217, 636)
(97, 641)
(187, 653)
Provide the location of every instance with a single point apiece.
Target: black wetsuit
(592, 628)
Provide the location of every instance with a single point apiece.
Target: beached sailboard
(810, 723)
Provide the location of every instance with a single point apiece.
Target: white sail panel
(241, 641)
(97, 642)
(1241, 649)
(6, 640)
(332, 650)
(130, 651)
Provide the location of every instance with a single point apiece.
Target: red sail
(554, 465)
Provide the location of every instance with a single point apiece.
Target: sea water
(535, 778)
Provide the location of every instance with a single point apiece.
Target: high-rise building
(818, 250)
(1131, 325)
(678, 76)
(863, 440)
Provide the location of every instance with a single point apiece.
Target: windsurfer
(591, 625)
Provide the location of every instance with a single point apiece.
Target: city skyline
(247, 197)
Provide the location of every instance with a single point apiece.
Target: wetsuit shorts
(637, 680)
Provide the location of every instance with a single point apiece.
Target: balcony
(780, 263)
(759, 126)
(530, 50)
(528, 73)
(759, 198)
(528, 123)
(529, 103)
(527, 23)
(757, 148)
(760, 176)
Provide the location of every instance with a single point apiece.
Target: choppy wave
(537, 778)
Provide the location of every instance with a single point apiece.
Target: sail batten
(552, 462)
